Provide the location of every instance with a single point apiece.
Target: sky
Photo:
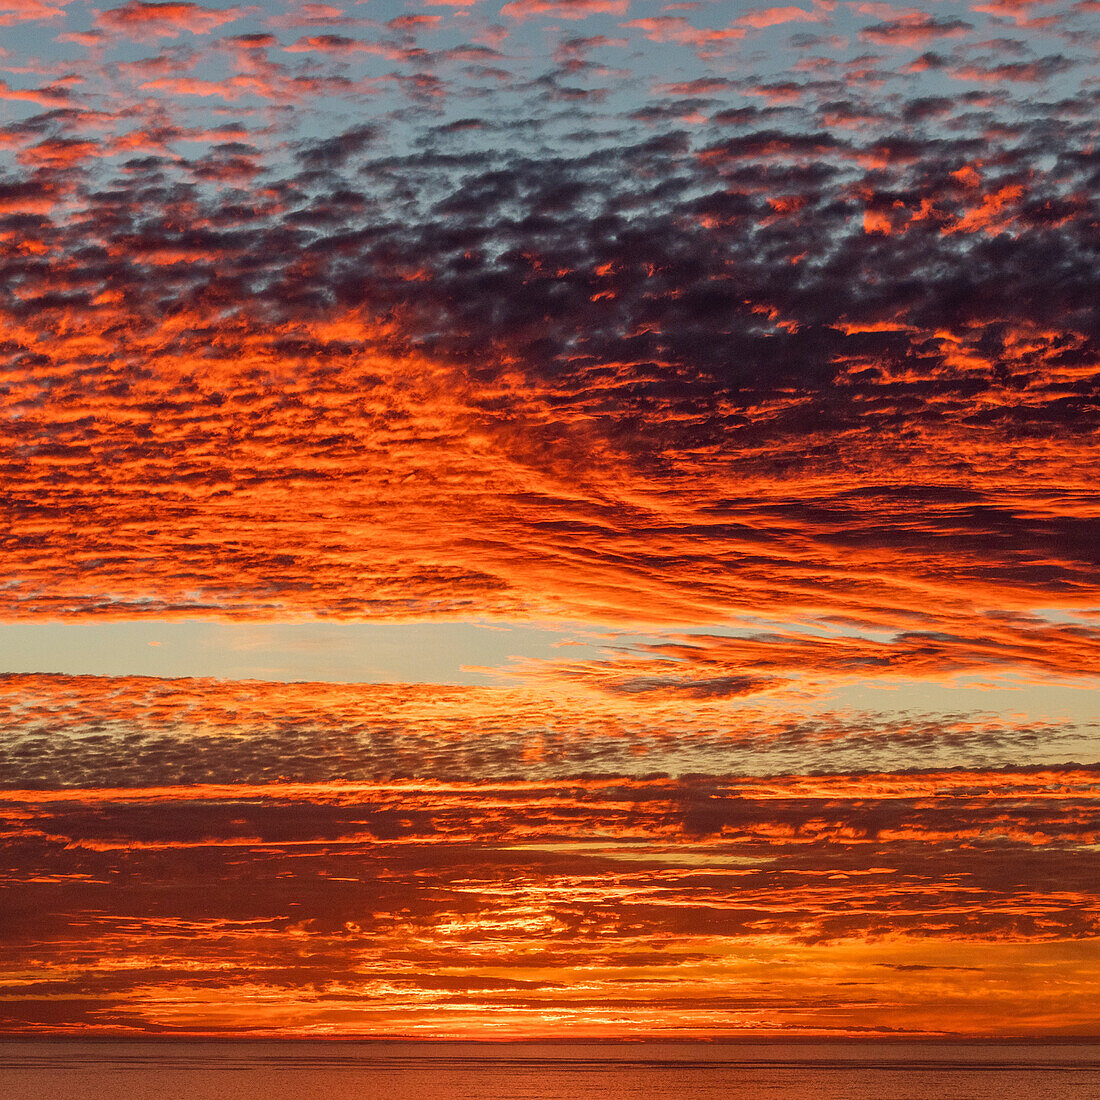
(564, 518)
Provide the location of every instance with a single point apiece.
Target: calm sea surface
(463, 1071)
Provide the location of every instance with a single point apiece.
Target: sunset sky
(555, 518)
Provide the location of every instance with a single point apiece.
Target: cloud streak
(427, 900)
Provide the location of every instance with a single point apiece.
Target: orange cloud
(141, 20)
(770, 394)
(770, 17)
(563, 9)
(677, 29)
(30, 11)
(475, 907)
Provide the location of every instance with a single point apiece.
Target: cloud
(563, 9)
(549, 364)
(484, 901)
(1024, 72)
(771, 17)
(914, 30)
(701, 665)
(666, 714)
(13, 12)
(776, 369)
(148, 21)
(676, 29)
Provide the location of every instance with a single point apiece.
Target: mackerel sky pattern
(750, 351)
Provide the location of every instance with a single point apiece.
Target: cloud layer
(701, 906)
(212, 857)
(819, 345)
(772, 334)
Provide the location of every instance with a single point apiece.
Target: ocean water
(67, 1070)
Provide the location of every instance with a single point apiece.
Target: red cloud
(914, 29)
(58, 152)
(336, 44)
(676, 29)
(141, 20)
(1019, 11)
(673, 897)
(771, 17)
(562, 9)
(29, 11)
(49, 96)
